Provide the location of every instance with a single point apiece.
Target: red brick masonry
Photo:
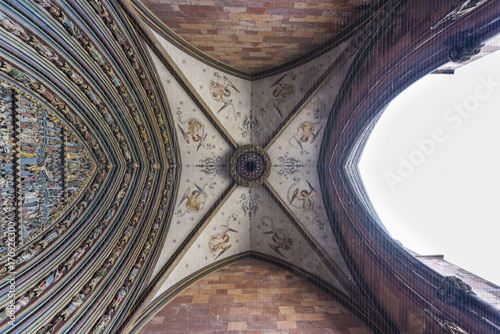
(259, 34)
(251, 296)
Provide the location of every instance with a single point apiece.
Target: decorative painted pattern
(33, 126)
(105, 115)
(53, 164)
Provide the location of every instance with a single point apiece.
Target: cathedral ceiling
(136, 143)
(287, 121)
(166, 165)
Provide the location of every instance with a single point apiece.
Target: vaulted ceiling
(173, 162)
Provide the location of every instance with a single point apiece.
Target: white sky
(449, 203)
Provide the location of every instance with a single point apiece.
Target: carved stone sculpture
(454, 291)
(463, 46)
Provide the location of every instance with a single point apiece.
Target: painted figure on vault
(307, 197)
(219, 89)
(53, 277)
(306, 133)
(101, 325)
(41, 167)
(194, 199)
(12, 27)
(75, 303)
(283, 89)
(119, 297)
(40, 143)
(218, 243)
(195, 132)
(280, 240)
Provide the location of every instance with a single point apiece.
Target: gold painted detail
(250, 166)
(37, 147)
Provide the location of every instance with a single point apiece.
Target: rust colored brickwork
(254, 297)
(256, 35)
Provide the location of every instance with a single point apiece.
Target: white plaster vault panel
(204, 158)
(295, 176)
(273, 98)
(227, 96)
(271, 232)
(248, 112)
(225, 235)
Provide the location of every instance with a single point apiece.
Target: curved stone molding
(380, 264)
(84, 63)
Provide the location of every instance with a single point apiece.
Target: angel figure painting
(306, 197)
(220, 89)
(194, 132)
(193, 200)
(306, 134)
(280, 241)
(282, 90)
(219, 242)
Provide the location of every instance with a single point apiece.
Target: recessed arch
(438, 126)
(378, 260)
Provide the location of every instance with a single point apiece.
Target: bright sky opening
(431, 167)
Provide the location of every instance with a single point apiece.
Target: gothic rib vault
(147, 125)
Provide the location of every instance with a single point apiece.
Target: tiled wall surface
(257, 35)
(251, 296)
